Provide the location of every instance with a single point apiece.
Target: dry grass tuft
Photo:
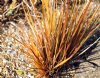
(55, 34)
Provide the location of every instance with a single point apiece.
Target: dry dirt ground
(88, 70)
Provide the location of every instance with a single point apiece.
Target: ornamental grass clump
(56, 33)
